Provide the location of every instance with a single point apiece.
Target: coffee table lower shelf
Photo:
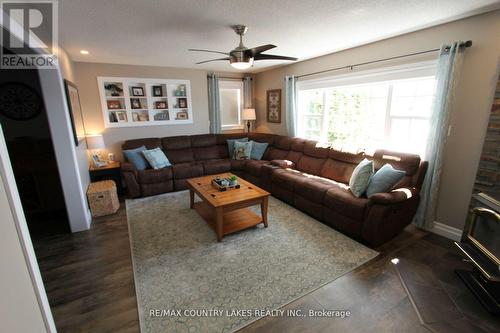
(232, 221)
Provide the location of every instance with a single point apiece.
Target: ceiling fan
(242, 57)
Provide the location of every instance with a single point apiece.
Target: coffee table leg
(219, 223)
(263, 210)
(191, 198)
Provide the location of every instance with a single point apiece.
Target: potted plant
(233, 181)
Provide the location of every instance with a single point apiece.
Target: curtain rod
(464, 44)
(232, 78)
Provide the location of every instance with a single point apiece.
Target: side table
(111, 171)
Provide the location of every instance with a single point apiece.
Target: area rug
(188, 282)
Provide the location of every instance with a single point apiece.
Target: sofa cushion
(340, 165)
(237, 165)
(254, 167)
(152, 176)
(310, 165)
(203, 140)
(293, 156)
(206, 153)
(211, 167)
(340, 199)
(180, 155)
(187, 170)
(408, 163)
(263, 137)
(314, 188)
(283, 142)
(314, 149)
(136, 157)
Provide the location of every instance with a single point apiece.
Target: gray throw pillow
(156, 158)
(242, 150)
(258, 149)
(230, 145)
(384, 180)
(136, 157)
(361, 177)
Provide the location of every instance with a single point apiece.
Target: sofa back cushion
(149, 143)
(409, 163)
(275, 154)
(340, 165)
(178, 149)
(311, 165)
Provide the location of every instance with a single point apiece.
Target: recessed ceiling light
(84, 52)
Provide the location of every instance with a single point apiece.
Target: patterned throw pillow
(384, 180)
(156, 158)
(361, 177)
(136, 157)
(242, 150)
(258, 150)
(230, 145)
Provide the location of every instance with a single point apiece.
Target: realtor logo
(29, 34)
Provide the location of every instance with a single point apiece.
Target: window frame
(230, 85)
(387, 75)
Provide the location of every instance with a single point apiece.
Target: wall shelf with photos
(127, 102)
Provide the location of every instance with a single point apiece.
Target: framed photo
(137, 91)
(121, 117)
(135, 103)
(114, 104)
(182, 103)
(274, 106)
(157, 91)
(75, 111)
(161, 105)
(182, 115)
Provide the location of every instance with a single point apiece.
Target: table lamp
(95, 143)
(248, 115)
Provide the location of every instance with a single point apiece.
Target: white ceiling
(153, 32)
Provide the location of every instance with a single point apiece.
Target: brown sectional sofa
(311, 178)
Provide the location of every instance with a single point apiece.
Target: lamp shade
(95, 142)
(248, 114)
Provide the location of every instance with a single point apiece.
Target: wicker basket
(103, 199)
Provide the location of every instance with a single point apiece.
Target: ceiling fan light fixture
(243, 64)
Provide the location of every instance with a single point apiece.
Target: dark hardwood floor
(90, 285)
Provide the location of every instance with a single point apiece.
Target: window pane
(356, 116)
(311, 114)
(229, 106)
(412, 98)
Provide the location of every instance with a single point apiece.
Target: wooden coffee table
(226, 212)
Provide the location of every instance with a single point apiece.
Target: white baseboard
(446, 231)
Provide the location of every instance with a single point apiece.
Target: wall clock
(19, 101)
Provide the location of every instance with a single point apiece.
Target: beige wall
(471, 106)
(86, 78)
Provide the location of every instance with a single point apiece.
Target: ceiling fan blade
(202, 62)
(259, 49)
(272, 57)
(200, 50)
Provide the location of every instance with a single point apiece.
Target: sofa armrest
(395, 196)
(130, 175)
(283, 164)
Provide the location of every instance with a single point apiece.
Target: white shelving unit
(162, 102)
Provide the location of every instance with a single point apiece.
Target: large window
(387, 109)
(231, 103)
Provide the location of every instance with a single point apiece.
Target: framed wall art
(273, 102)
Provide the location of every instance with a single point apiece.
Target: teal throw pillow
(258, 150)
(361, 177)
(242, 150)
(156, 158)
(230, 145)
(136, 157)
(384, 180)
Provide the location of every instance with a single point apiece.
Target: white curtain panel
(291, 104)
(247, 92)
(448, 73)
(214, 104)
